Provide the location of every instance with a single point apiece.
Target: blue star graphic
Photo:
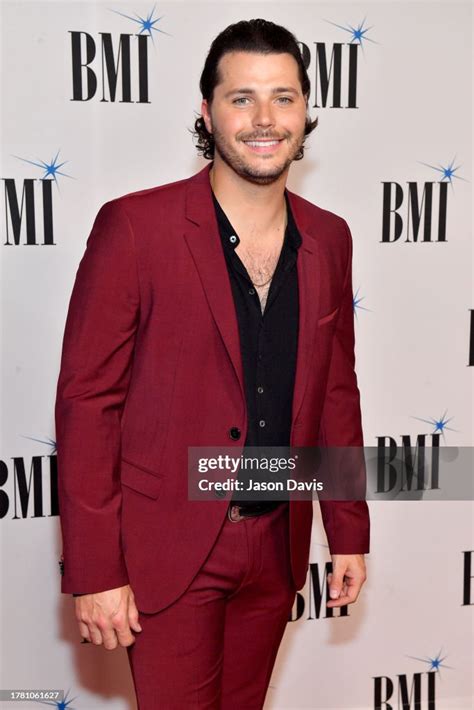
(434, 663)
(59, 704)
(358, 33)
(147, 24)
(47, 441)
(356, 303)
(51, 169)
(448, 172)
(439, 424)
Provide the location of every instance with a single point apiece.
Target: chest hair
(260, 265)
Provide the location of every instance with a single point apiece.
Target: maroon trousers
(215, 647)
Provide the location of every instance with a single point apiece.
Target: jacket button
(220, 494)
(234, 433)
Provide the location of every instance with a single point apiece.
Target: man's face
(257, 114)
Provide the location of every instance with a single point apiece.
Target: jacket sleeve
(96, 362)
(346, 522)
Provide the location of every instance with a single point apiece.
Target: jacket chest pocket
(141, 479)
(329, 317)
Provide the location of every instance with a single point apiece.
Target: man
(214, 311)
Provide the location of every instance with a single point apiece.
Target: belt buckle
(233, 513)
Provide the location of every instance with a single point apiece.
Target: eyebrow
(277, 90)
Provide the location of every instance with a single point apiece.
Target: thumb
(133, 616)
(335, 584)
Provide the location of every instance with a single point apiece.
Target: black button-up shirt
(268, 340)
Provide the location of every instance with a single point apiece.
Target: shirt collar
(230, 238)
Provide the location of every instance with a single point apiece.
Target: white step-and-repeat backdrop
(392, 86)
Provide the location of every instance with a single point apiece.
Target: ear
(206, 114)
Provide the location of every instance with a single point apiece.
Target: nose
(263, 115)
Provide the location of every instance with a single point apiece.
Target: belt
(236, 512)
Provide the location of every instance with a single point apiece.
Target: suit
(134, 390)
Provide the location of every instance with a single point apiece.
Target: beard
(258, 175)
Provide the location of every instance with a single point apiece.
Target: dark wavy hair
(258, 36)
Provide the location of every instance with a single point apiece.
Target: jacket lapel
(309, 288)
(204, 242)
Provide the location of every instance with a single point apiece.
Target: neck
(251, 208)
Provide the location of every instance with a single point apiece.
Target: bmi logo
(404, 468)
(409, 690)
(314, 606)
(334, 66)
(29, 490)
(471, 338)
(468, 576)
(113, 66)
(418, 211)
(29, 204)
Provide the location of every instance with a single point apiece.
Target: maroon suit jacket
(151, 365)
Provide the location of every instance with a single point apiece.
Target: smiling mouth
(263, 146)
(264, 143)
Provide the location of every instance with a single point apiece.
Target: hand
(106, 617)
(346, 579)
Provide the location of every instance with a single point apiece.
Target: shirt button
(251, 291)
(260, 390)
(262, 422)
(233, 239)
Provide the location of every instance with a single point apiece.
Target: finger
(346, 598)
(342, 601)
(125, 637)
(133, 618)
(88, 628)
(95, 634)
(354, 585)
(122, 628)
(84, 631)
(335, 584)
(330, 583)
(348, 582)
(110, 639)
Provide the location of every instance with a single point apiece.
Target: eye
(241, 98)
(285, 99)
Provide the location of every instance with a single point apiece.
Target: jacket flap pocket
(329, 317)
(140, 479)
